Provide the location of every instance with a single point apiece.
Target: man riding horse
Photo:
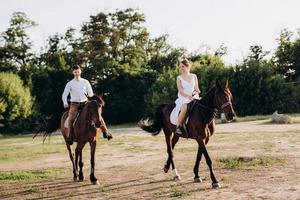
(78, 88)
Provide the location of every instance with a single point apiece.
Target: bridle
(215, 110)
(226, 104)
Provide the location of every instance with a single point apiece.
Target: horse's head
(95, 105)
(223, 99)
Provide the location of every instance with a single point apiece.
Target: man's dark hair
(76, 67)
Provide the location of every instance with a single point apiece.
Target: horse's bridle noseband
(225, 105)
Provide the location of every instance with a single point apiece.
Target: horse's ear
(100, 99)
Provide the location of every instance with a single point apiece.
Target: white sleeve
(65, 94)
(195, 77)
(89, 89)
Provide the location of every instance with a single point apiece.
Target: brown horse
(85, 129)
(200, 125)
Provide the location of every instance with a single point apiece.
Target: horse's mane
(207, 98)
(210, 94)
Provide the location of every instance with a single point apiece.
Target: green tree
(259, 89)
(15, 101)
(15, 43)
(287, 55)
(208, 68)
(163, 90)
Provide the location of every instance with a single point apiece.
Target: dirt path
(251, 126)
(256, 126)
(130, 167)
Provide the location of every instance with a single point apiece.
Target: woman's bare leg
(181, 114)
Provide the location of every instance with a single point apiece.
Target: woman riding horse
(200, 125)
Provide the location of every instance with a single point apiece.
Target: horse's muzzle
(230, 116)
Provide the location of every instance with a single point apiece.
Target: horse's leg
(215, 183)
(104, 129)
(75, 172)
(92, 176)
(170, 161)
(197, 178)
(168, 140)
(79, 155)
(175, 139)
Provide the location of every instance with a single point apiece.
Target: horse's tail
(157, 123)
(46, 125)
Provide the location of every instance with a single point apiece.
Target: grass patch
(294, 120)
(127, 125)
(268, 146)
(33, 189)
(242, 162)
(160, 192)
(138, 149)
(29, 175)
(252, 118)
(187, 149)
(179, 191)
(25, 149)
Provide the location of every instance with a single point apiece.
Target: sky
(191, 24)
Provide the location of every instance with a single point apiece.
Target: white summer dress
(188, 88)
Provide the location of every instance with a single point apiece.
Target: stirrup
(181, 130)
(178, 130)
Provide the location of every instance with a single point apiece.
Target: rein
(207, 108)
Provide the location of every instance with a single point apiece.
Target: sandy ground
(250, 126)
(131, 167)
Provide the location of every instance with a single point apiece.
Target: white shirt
(78, 90)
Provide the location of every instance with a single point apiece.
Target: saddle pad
(66, 123)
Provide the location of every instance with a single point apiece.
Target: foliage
(287, 55)
(136, 72)
(163, 90)
(258, 89)
(15, 101)
(15, 43)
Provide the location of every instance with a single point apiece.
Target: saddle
(76, 116)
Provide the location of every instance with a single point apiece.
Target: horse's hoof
(198, 180)
(177, 178)
(166, 169)
(75, 179)
(81, 179)
(95, 182)
(109, 137)
(215, 185)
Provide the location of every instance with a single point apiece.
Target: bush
(163, 90)
(15, 101)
